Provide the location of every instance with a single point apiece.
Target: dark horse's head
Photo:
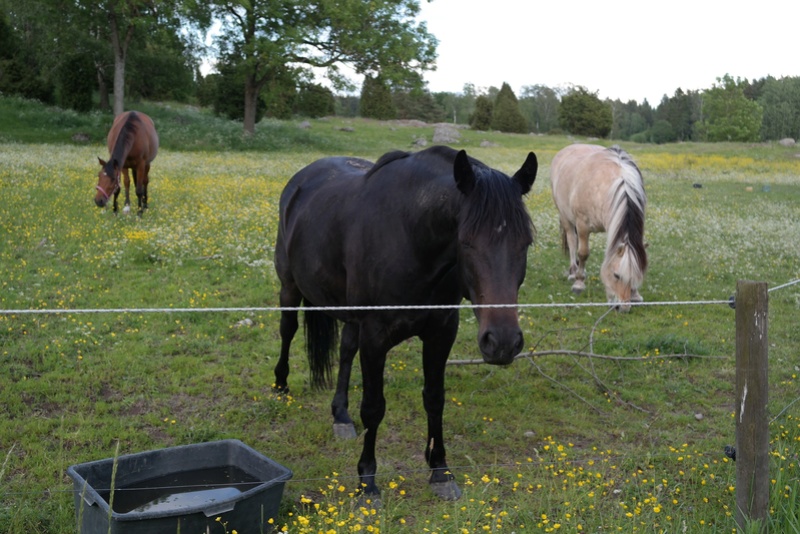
(107, 182)
(494, 234)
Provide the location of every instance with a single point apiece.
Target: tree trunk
(250, 104)
(120, 48)
(102, 88)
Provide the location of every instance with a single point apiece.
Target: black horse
(413, 230)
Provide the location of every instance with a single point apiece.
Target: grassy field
(553, 443)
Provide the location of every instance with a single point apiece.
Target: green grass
(554, 443)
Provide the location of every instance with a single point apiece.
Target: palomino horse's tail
(627, 206)
(322, 334)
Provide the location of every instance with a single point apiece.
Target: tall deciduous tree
(728, 115)
(539, 105)
(266, 36)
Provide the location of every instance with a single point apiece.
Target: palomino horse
(598, 189)
(412, 235)
(133, 144)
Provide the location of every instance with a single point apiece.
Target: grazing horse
(411, 235)
(598, 189)
(133, 144)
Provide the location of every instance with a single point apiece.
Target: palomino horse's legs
(343, 426)
(571, 239)
(436, 345)
(582, 254)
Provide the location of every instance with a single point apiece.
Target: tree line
(269, 54)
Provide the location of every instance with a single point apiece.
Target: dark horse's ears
(102, 163)
(527, 173)
(463, 173)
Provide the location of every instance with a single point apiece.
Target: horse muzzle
(500, 345)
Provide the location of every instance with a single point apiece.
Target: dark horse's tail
(322, 334)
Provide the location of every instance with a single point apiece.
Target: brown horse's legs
(343, 426)
(140, 180)
(127, 182)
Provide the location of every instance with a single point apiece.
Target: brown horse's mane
(124, 142)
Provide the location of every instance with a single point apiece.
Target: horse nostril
(488, 343)
(519, 344)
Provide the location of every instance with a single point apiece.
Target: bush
(482, 118)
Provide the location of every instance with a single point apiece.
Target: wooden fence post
(752, 432)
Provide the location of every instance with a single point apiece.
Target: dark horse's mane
(494, 202)
(125, 139)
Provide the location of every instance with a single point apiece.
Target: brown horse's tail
(322, 335)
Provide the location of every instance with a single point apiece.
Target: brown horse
(133, 144)
(598, 189)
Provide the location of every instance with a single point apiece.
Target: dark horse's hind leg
(343, 426)
(436, 347)
(288, 329)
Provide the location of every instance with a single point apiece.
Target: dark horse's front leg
(436, 345)
(343, 426)
(372, 352)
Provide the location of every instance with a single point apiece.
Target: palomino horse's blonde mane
(625, 226)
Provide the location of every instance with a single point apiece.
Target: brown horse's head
(494, 234)
(107, 182)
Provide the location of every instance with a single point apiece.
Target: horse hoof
(447, 491)
(126, 209)
(636, 297)
(369, 501)
(578, 287)
(344, 430)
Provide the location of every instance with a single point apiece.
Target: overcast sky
(623, 49)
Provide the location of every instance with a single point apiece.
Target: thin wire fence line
(787, 284)
(60, 311)
(252, 309)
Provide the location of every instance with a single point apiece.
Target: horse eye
(617, 276)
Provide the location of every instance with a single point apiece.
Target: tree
(539, 105)
(314, 100)
(380, 36)
(376, 99)
(629, 119)
(506, 116)
(583, 113)
(780, 100)
(728, 115)
(482, 118)
(681, 112)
